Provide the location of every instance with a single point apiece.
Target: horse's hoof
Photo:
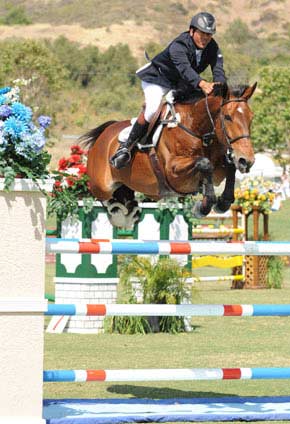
(197, 210)
(219, 210)
(222, 205)
(114, 207)
(120, 216)
(131, 204)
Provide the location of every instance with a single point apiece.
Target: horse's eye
(228, 118)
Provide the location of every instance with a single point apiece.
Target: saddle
(167, 117)
(163, 116)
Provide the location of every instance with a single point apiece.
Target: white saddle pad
(124, 134)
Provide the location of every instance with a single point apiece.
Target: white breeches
(153, 95)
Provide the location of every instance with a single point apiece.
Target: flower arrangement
(21, 140)
(255, 192)
(71, 185)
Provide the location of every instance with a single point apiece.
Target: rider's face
(201, 39)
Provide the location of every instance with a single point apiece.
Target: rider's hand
(207, 87)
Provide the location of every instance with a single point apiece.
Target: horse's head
(233, 126)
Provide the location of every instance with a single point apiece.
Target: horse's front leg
(205, 168)
(228, 195)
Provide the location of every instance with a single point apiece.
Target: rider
(178, 65)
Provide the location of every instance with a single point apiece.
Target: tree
(117, 89)
(238, 33)
(32, 61)
(16, 16)
(81, 63)
(271, 106)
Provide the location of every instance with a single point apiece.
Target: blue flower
(24, 150)
(44, 121)
(22, 112)
(35, 141)
(21, 140)
(5, 90)
(3, 99)
(15, 127)
(5, 111)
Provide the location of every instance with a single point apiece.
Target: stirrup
(121, 158)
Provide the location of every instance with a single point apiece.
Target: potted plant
(22, 139)
(157, 281)
(71, 185)
(255, 192)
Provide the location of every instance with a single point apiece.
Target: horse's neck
(197, 116)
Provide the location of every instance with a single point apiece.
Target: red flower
(57, 186)
(73, 159)
(82, 168)
(62, 164)
(76, 150)
(70, 181)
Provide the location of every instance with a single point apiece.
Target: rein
(207, 138)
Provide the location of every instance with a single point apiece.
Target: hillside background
(103, 23)
(97, 45)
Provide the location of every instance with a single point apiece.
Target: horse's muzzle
(243, 165)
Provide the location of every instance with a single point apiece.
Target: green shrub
(16, 16)
(274, 272)
(162, 281)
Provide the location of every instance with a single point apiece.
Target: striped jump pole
(222, 230)
(134, 247)
(168, 310)
(166, 374)
(219, 278)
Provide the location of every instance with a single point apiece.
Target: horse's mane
(186, 96)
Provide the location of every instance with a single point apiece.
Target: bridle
(229, 140)
(222, 117)
(208, 138)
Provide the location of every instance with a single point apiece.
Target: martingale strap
(164, 188)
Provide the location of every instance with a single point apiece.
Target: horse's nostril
(243, 165)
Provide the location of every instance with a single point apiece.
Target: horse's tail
(89, 139)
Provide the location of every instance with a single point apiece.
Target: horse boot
(122, 157)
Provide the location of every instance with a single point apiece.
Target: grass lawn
(215, 342)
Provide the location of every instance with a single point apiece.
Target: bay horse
(209, 142)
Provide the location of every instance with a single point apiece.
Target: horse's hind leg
(122, 208)
(203, 208)
(227, 197)
(124, 194)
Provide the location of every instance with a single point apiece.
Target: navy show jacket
(176, 65)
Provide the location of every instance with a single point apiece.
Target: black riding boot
(122, 156)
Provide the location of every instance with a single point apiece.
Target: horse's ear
(249, 91)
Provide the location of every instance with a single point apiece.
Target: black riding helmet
(204, 21)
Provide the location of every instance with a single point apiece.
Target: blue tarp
(110, 411)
